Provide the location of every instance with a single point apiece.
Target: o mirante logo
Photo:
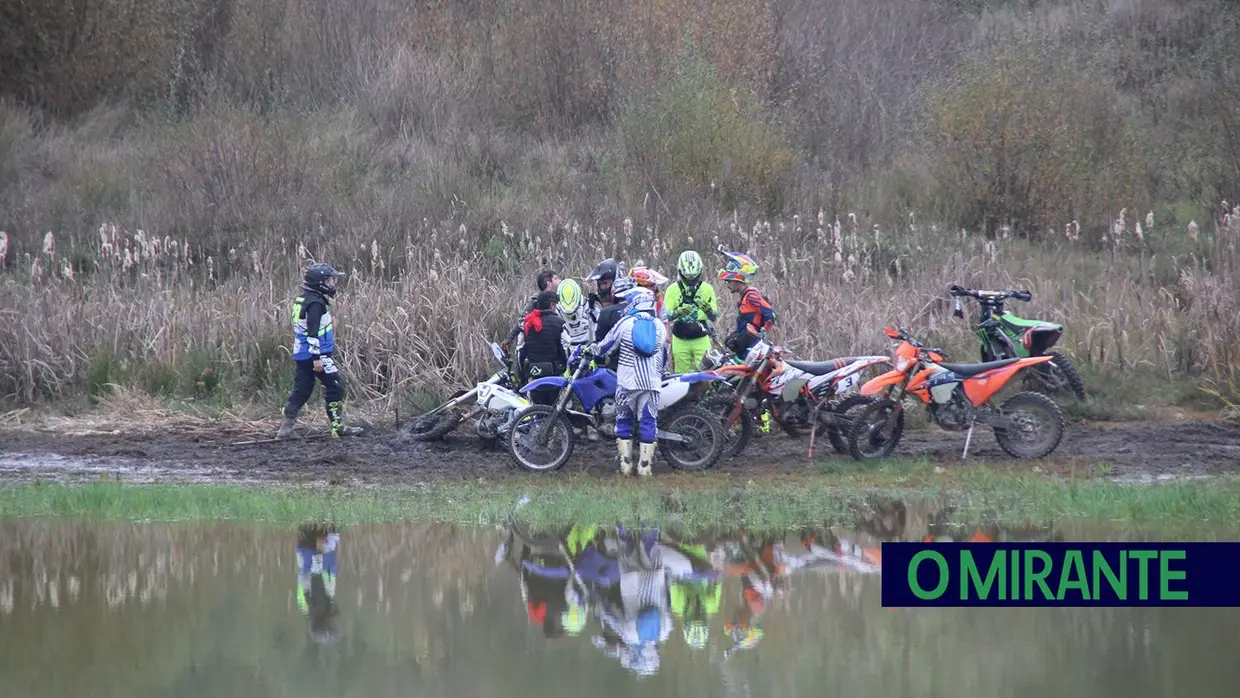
(1061, 574)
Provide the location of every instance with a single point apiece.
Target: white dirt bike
(494, 407)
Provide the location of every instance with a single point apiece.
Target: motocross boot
(339, 428)
(645, 459)
(286, 428)
(625, 447)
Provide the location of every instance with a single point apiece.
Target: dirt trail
(1130, 449)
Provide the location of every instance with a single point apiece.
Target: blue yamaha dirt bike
(542, 437)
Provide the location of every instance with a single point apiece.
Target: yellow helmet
(570, 297)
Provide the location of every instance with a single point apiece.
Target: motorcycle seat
(968, 370)
(821, 368)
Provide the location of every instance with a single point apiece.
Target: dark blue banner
(1061, 574)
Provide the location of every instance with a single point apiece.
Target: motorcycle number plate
(846, 383)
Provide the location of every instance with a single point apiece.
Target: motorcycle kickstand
(813, 429)
(967, 437)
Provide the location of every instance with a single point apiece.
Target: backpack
(645, 335)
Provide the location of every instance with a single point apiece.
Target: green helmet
(570, 297)
(696, 634)
(689, 265)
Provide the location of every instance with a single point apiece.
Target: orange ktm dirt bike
(1027, 425)
(801, 396)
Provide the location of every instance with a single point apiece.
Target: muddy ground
(1140, 450)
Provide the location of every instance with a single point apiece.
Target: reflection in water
(137, 611)
(634, 581)
(316, 580)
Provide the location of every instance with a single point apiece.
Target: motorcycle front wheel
(523, 445)
(866, 440)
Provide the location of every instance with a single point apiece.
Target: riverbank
(976, 494)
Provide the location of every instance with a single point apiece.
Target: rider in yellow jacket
(692, 308)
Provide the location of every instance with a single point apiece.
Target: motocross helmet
(689, 266)
(622, 285)
(570, 298)
(640, 300)
(319, 278)
(739, 267)
(607, 270)
(648, 278)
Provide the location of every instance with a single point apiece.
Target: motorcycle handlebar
(958, 291)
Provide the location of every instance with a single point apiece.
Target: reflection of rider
(316, 580)
(762, 576)
(637, 619)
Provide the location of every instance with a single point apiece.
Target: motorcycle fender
(878, 383)
(982, 387)
(671, 393)
(548, 382)
(699, 377)
(500, 400)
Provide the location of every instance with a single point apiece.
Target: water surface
(192, 611)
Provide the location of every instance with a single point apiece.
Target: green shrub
(693, 134)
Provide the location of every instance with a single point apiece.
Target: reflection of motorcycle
(796, 393)
(495, 405)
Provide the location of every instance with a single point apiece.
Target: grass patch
(976, 495)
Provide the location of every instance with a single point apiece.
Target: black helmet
(607, 270)
(317, 275)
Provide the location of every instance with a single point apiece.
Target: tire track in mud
(1129, 449)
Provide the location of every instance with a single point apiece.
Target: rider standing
(611, 314)
(314, 341)
(543, 353)
(603, 277)
(692, 308)
(754, 314)
(547, 280)
(638, 381)
(578, 325)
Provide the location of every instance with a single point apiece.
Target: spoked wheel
(838, 435)
(737, 437)
(1040, 426)
(523, 439)
(1060, 379)
(705, 439)
(869, 438)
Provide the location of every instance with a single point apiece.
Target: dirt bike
(957, 396)
(682, 424)
(494, 406)
(797, 394)
(1005, 336)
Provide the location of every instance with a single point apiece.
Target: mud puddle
(1137, 451)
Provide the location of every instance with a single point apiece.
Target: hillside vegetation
(168, 166)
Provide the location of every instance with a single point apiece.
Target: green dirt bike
(1005, 336)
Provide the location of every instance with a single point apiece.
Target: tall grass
(84, 313)
(165, 177)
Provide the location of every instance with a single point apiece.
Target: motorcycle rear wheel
(838, 435)
(697, 424)
(736, 438)
(1039, 441)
